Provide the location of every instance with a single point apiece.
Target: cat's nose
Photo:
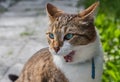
(56, 49)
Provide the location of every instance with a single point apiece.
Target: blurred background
(23, 24)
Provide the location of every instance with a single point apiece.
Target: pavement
(22, 32)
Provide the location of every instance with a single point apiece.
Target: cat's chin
(68, 57)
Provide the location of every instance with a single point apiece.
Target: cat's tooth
(69, 60)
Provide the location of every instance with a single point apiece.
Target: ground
(22, 32)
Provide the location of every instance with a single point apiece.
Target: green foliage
(108, 23)
(2, 10)
(26, 33)
(110, 37)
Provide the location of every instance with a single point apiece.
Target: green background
(108, 23)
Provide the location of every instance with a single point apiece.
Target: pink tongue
(68, 58)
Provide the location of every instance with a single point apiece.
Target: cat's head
(71, 36)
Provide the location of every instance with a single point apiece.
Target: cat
(74, 53)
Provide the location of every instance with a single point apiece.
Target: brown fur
(40, 68)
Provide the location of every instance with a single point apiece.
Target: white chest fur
(81, 72)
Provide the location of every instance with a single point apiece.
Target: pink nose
(56, 49)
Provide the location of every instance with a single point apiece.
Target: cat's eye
(51, 36)
(68, 36)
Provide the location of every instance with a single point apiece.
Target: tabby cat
(74, 53)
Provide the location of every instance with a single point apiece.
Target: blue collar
(93, 69)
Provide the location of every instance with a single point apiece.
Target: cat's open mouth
(69, 57)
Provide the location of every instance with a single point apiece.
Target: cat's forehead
(68, 20)
(62, 21)
(65, 17)
(65, 20)
(68, 23)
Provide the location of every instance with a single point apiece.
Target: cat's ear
(53, 12)
(89, 12)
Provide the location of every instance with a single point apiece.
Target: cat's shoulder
(41, 57)
(40, 67)
(42, 54)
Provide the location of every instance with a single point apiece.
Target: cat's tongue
(69, 57)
